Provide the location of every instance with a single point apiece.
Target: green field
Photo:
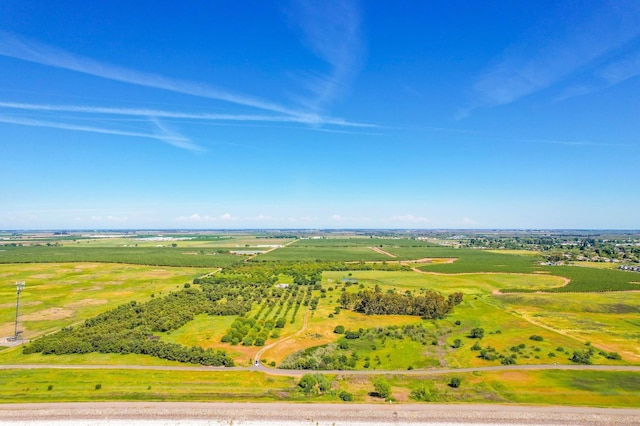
(591, 388)
(157, 256)
(62, 294)
(323, 253)
(49, 385)
(510, 295)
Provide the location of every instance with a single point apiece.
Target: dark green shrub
(477, 333)
(345, 396)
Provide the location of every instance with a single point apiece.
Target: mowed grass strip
(540, 387)
(51, 385)
(14, 356)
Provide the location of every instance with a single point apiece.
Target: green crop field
(164, 256)
(323, 253)
(359, 242)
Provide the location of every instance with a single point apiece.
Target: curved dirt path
(256, 360)
(190, 413)
(380, 251)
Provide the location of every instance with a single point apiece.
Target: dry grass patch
(87, 302)
(48, 314)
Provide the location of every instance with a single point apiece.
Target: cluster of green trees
(314, 384)
(235, 294)
(430, 305)
(130, 328)
(355, 347)
(308, 271)
(249, 332)
(325, 357)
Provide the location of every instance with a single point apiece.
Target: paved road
(282, 372)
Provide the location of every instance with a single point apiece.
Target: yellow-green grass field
(590, 388)
(50, 385)
(508, 321)
(587, 388)
(63, 294)
(610, 321)
(206, 331)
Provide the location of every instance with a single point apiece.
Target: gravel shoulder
(291, 413)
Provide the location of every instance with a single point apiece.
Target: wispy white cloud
(141, 112)
(40, 53)
(168, 137)
(198, 218)
(551, 53)
(331, 30)
(342, 20)
(172, 137)
(109, 218)
(409, 218)
(621, 70)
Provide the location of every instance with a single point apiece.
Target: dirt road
(283, 372)
(108, 413)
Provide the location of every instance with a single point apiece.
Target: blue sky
(294, 114)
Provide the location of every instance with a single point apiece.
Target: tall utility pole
(19, 288)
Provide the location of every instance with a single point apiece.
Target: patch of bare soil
(87, 302)
(158, 273)
(380, 251)
(437, 260)
(83, 266)
(93, 288)
(12, 304)
(48, 314)
(42, 276)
